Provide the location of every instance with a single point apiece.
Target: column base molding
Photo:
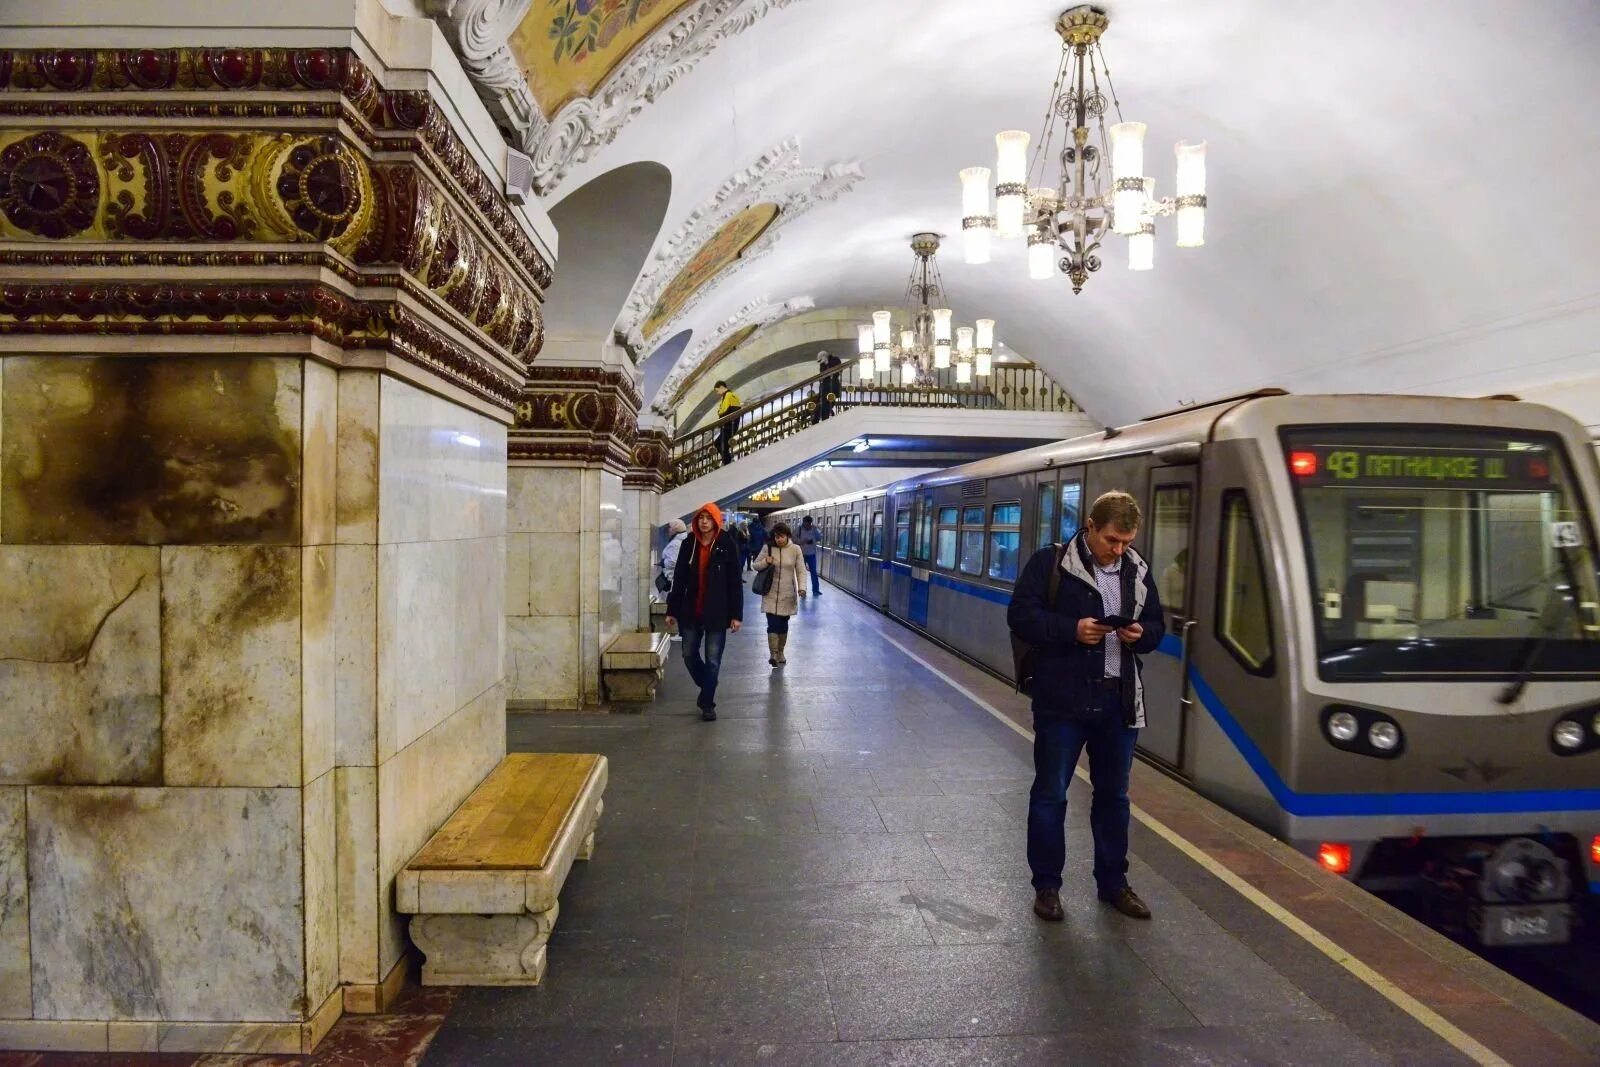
(376, 998)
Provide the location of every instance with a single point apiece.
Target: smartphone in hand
(1116, 622)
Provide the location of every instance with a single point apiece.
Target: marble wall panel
(554, 573)
(442, 473)
(80, 665)
(137, 892)
(417, 658)
(231, 669)
(219, 460)
(319, 454)
(355, 610)
(16, 982)
(628, 572)
(542, 660)
(318, 662)
(320, 858)
(612, 581)
(519, 576)
(420, 787)
(589, 649)
(356, 827)
(544, 499)
(479, 615)
(356, 494)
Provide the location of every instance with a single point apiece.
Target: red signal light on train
(1303, 464)
(1334, 857)
(1594, 849)
(1538, 469)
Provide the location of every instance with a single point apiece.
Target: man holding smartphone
(1087, 625)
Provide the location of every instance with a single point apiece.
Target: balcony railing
(785, 412)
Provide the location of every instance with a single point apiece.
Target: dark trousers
(1057, 742)
(816, 579)
(777, 624)
(703, 669)
(725, 440)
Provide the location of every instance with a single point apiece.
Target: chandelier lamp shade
(1071, 218)
(930, 342)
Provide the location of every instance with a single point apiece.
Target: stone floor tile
(867, 913)
(977, 812)
(763, 995)
(811, 859)
(847, 814)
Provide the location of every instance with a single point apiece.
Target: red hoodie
(702, 553)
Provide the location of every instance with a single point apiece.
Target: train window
(876, 544)
(1444, 551)
(945, 556)
(972, 516)
(1005, 541)
(1047, 515)
(972, 540)
(1244, 620)
(1169, 545)
(902, 533)
(855, 532)
(925, 529)
(1071, 509)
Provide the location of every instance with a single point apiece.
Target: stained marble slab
(218, 460)
(355, 608)
(319, 855)
(356, 494)
(554, 573)
(544, 499)
(136, 892)
(542, 660)
(318, 662)
(356, 831)
(231, 635)
(80, 665)
(16, 984)
(319, 454)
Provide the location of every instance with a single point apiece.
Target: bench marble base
(483, 949)
(632, 666)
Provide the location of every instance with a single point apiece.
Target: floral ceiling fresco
(724, 247)
(566, 48)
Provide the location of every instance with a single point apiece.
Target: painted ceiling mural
(724, 247)
(717, 355)
(567, 48)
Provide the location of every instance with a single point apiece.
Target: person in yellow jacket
(727, 404)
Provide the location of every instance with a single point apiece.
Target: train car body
(1382, 615)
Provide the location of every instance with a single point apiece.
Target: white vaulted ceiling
(1402, 195)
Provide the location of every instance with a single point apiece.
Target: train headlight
(1596, 723)
(1342, 726)
(1568, 734)
(1383, 736)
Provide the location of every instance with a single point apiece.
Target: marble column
(642, 486)
(255, 383)
(572, 544)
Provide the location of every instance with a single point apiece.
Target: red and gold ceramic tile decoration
(577, 415)
(725, 246)
(566, 48)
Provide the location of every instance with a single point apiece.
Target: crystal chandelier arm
(1041, 152)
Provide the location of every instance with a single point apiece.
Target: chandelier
(925, 346)
(1073, 216)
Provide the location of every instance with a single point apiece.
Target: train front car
(1438, 725)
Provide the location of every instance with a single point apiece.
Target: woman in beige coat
(788, 588)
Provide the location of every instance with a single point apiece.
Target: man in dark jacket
(758, 536)
(706, 601)
(829, 388)
(1087, 693)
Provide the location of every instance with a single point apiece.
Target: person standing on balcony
(810, 537)
(706, 602)
(829, 388)
(782, 598)
(728, 406)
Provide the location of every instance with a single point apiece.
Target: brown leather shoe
(1127, 901)
(1047, 905)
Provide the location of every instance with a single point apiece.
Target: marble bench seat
(632, 665)
(482, 893)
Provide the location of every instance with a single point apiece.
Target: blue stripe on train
(1508, 802)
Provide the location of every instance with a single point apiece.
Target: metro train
(1383, 625)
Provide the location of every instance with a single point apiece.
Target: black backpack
(1022, 653)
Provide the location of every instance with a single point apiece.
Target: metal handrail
(785, 412)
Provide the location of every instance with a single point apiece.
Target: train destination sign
(1410, 466)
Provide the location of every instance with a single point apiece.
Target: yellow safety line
(1459, 1039)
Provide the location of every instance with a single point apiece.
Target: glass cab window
(1071, 508)
(1244, 620)
(945, 556)
(1005, 541)
(1442, 552)
(1169, 545)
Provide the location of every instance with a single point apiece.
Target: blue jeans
(816, 579)
(1057, 742)
(703, 671)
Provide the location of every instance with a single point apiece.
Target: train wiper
(1550, 618)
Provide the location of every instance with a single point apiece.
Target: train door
(1058, 506)
(1170, 509)
(922, 559)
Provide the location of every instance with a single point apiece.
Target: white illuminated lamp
(1142, 245)
(880, 341)
(1191, 193)
(864, 339)
(908, 340)
(864, 367)
(908, 373)
(1011, 181)
(985, 347)
(964, 373)
(1041, 253)
(1127, 177)
(964, 354)
(977, 225)
(941, 338)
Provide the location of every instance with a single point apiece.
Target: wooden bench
(632, 665)
(482, 892)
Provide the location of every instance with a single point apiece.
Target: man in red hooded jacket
(706, 601)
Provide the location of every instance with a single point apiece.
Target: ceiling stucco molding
(480, 29)
(776, 177)
(758, 313)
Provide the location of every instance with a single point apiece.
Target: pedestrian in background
(829, 388)
(706, 602)
(728, 406)
(810, 537)
(677, 534)
(1086, 692)
(741, 530)
(788, 588)
(758, 536)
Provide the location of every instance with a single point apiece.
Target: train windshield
(1438, 553)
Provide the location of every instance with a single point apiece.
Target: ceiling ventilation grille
(976, 489)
